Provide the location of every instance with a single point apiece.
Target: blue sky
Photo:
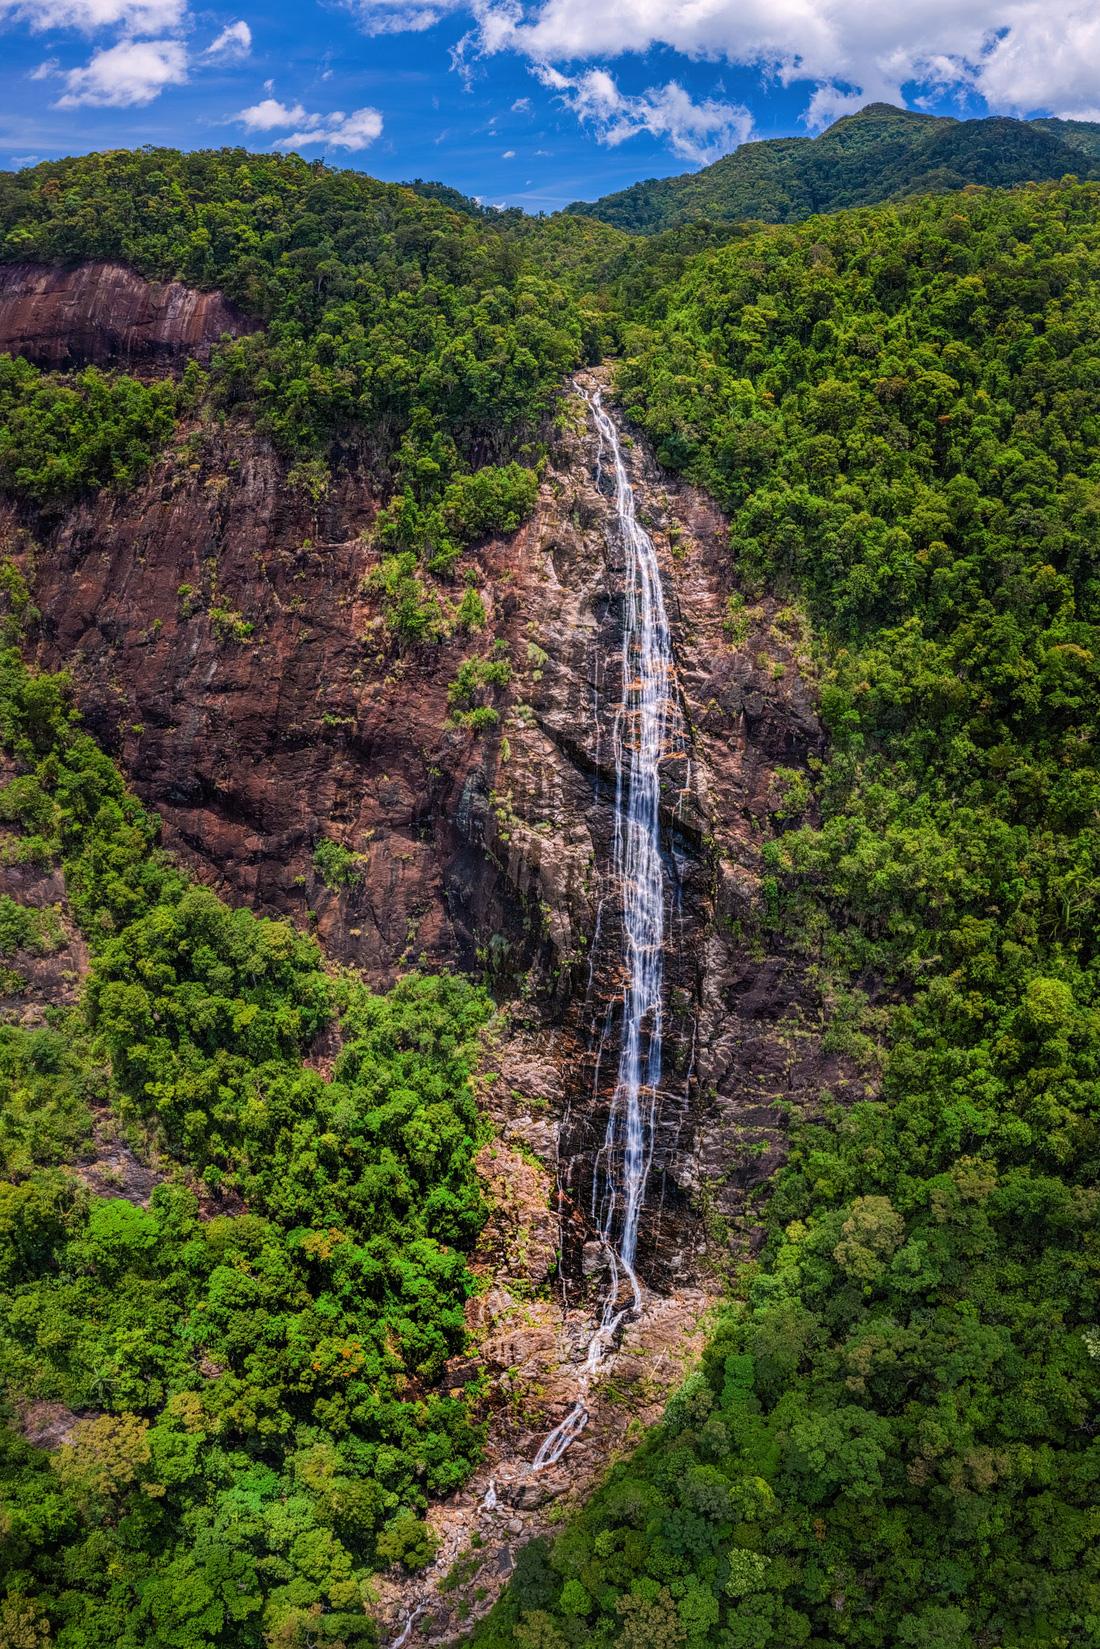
(532, 104)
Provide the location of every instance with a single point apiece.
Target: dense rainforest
(893, 1437)
(881, 153)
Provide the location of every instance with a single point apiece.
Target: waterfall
(640, 735)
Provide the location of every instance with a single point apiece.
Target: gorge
(547, 902)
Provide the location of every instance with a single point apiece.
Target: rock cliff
(230, 647)
(102, 314)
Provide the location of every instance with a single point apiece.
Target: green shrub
(335, 864)
(407, 1541)
(273, 1372)
(58, 439)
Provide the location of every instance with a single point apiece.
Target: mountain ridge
(880, 153)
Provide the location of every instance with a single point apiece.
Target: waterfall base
(628, 1394)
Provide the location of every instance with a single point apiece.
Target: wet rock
(529, 1494)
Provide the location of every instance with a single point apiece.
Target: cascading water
(641, 732)
(646, 727)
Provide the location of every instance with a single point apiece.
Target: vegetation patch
(891, 1440)
(262, 1423)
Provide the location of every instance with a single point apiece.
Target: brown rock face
(102, 314)
(228, 647)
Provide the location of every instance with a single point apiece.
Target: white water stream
(639, 738)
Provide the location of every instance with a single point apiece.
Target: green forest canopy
(881, 153)
(894, 1436)
(263, 1420)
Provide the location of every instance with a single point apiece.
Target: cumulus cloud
(337, 130)
(697, 132)
(149, 54)
(232, 44)
(133, 72)
(269, 115)
(1020, 56)
(132, 16)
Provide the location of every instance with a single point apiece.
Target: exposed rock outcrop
(102, 314)
(229, 645)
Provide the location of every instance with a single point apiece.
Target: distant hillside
(881, 153)
(447, 196)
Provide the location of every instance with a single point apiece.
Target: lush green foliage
(894, 1437)
(440, 525)
(58, 438)
(454, 198)
(336, 864)
(376, 302)
(893, 1440)
(476, 681)
(265, 1424)
(878, 154)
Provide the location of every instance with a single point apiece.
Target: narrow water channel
(640, 738)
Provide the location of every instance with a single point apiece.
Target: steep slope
(878, 154)
(899, 408)
(102, 314)
(374, 677)
(488, 848)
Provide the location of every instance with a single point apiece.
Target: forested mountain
(881, 153)
(894, 1433)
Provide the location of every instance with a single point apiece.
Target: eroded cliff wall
(102, 314)
(229, 646)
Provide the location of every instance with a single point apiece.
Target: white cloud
(232, 44)
(1020, 56)
(522, 106)
(697, 132)
(133, 72)
(509, 154)
(135, 68)
(133, 16)
(337, 130)
(269, 115)
(401, 16)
